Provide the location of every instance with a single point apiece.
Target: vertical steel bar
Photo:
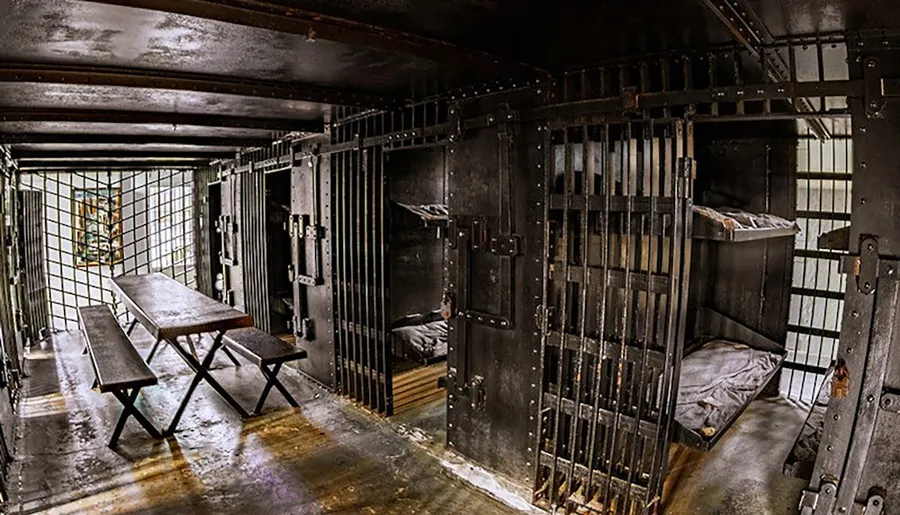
(368, 356)
(563, 326)
(626, 239)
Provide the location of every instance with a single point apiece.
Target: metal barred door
(363, 351)
(618, 215)
(35, 301)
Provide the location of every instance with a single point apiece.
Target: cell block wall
(99, 225)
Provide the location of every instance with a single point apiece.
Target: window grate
(103, 224)
(817, 290)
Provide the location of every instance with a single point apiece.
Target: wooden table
(169, 310)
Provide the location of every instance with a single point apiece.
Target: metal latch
(303, 328)
(476, 393)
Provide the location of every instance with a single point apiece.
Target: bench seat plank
(260, 347)
(116, 362)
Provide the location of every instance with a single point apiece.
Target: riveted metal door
(494, 184)
(310, 230)
(618, 215)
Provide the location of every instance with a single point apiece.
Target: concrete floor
(325, 457)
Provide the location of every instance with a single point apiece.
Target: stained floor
(324, 457)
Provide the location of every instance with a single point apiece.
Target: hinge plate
(867, 278)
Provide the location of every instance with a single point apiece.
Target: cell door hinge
(818, 502)
(867, 271)
(873, 89)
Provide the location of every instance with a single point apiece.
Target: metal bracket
(867, 276)
(819, 502)
(874, 94)
(630, 99)
(890, 400)
(509, 245)
(302, 229)
(488, 319)
(874, 505)
(479, 233)
(455, 121)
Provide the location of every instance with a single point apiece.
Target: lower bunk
(720, 376)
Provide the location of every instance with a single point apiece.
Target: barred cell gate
(363, 352)
(618, 214)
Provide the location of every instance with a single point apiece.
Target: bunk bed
(722, 372)
(726, 365)
(420, 337)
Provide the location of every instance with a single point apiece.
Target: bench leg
(272, 377)
(129, 410)
(131, 327)
(231, 356)
(202, 373)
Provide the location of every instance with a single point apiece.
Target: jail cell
(362, 347)
(618, 221)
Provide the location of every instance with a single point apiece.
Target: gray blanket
(715, 382)
(428, 339)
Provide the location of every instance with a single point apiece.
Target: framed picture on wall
(97, 226)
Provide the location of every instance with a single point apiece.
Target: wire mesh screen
(99, 225)
(817, 291)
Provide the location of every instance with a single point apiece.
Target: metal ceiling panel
(35, 95)
(76, 32)
(132, 129)
(70, 148)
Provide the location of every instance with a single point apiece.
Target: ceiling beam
(146, 155)
(279, 17)
(130, 139)
(751, 32)
(62, 166)
(10, 114)
(153, 79)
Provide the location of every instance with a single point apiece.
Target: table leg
(153, 351)
(131, 327)
(202, 373)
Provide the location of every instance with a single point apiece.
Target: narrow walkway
(325, 457)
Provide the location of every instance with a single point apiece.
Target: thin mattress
(717, 380)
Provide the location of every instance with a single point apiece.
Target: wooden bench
(264, 350)
(118, 367)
